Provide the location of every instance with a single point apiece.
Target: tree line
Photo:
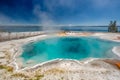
(113, 27)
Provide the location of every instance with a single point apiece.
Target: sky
(59, 12)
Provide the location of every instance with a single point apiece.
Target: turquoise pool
(68, 48)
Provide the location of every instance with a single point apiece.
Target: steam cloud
(44, 18)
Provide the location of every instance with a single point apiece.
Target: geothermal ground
(11, 68)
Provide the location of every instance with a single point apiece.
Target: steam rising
(44, 18)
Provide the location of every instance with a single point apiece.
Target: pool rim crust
(19, 52)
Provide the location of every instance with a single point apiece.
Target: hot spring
(67, 48)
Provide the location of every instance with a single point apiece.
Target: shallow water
(68, 48)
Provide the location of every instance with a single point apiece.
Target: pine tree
(112, 27)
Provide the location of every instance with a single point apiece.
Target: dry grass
(19, 75)
(54, 71)
(8, 68)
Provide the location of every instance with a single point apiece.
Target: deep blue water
(68, 48)
(66, 28)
